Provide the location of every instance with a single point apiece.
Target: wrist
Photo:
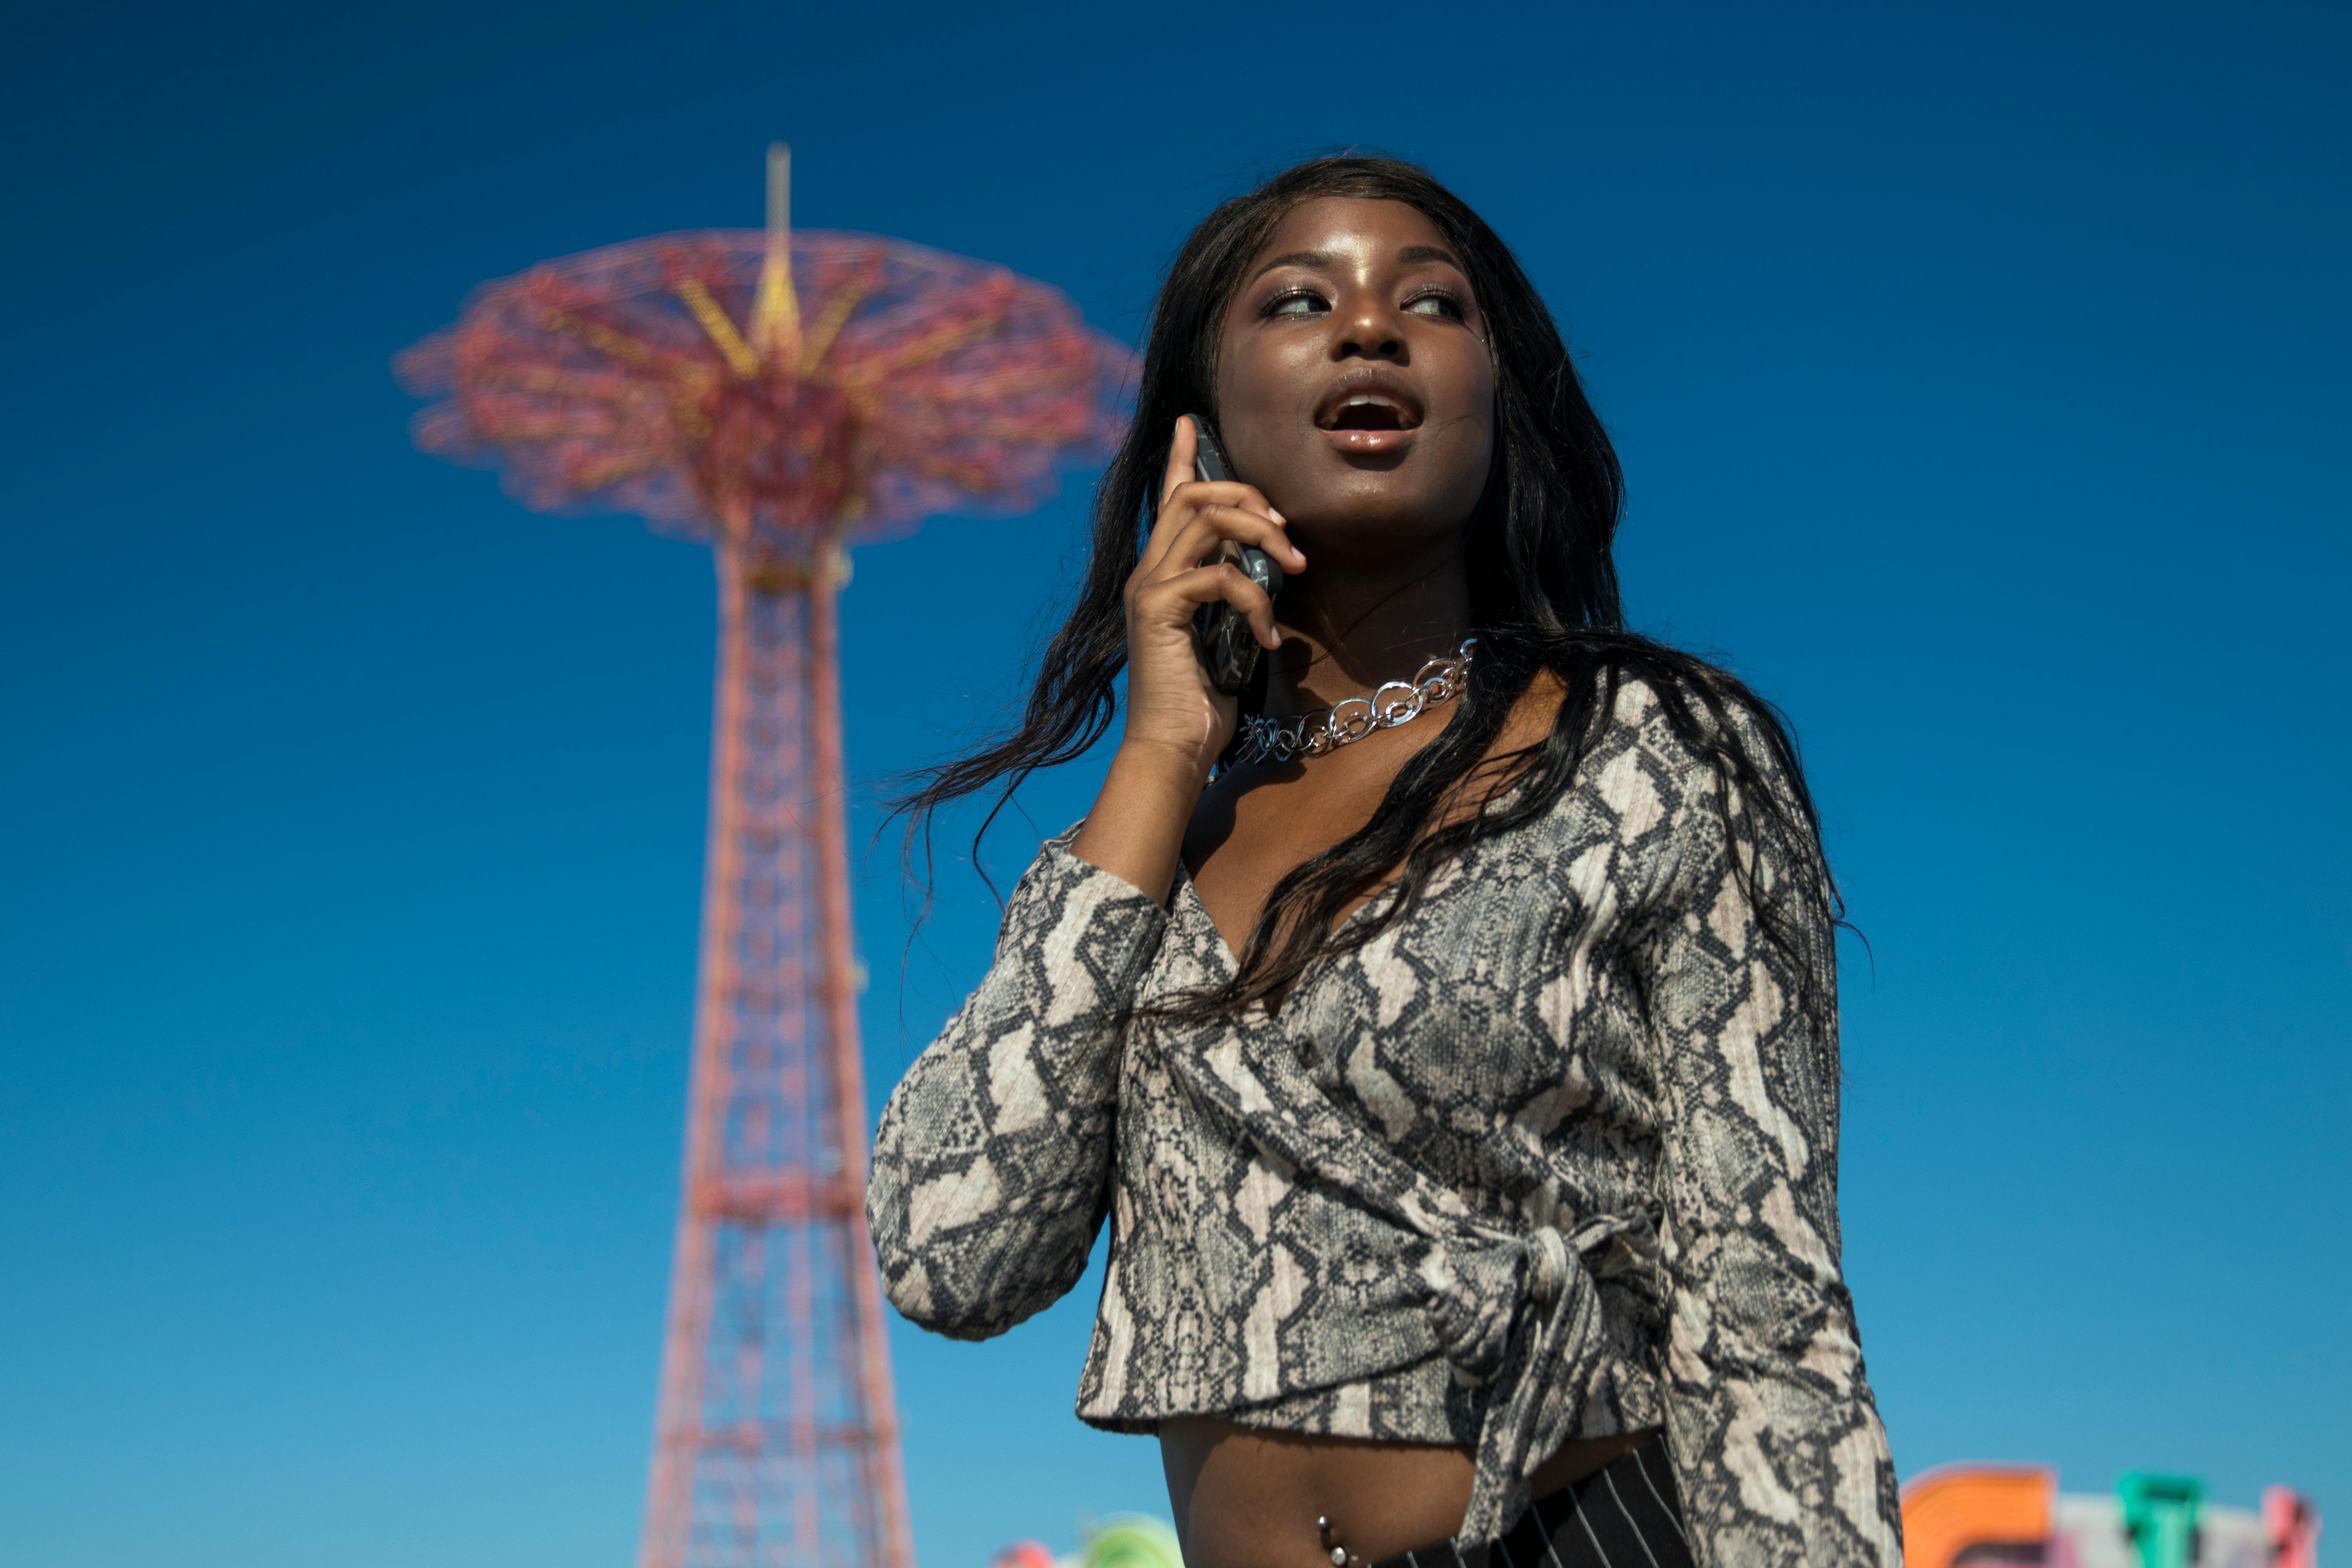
(1136, 830)
(1170, 763)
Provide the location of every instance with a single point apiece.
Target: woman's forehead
(1353, 226)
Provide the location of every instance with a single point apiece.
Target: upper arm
(1745, 1023)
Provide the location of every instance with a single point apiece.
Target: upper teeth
(1368, 398)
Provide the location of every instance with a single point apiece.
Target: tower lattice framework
(780, 396)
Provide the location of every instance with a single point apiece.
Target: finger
(1193, 502)
(1212, 526)
(1177, 482)
(1172, 601)
(1181, 450)
(1224, 492)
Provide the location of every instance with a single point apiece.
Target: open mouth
(1369, 412)
(1369, 408)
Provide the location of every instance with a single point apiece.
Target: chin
(1365, 530)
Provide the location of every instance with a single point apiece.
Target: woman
(1463, 1093)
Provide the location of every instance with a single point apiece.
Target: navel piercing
(1338, 1554)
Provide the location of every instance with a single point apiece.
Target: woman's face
(1354, 387)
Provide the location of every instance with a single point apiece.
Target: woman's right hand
(1172, 710)
(1177, 723)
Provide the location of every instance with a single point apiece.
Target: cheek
(1458, 374)
(1477, 406)
(1241, 390)
(1263, 403)
(1255, 377)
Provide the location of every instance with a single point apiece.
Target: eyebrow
(1294, 258)
(1412, 255)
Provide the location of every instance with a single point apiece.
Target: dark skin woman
(1460, 1090)
(1356, 389)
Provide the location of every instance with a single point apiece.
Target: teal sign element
(2160, 1516)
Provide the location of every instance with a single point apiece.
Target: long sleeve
(1777, 1441)
(991, 1163)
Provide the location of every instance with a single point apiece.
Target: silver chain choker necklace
(1344, 723)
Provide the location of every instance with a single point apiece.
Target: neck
(1344, 632)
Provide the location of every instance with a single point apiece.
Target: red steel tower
(778, 397)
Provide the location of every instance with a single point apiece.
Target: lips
(1368, 401)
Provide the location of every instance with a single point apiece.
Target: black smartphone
(1229, 649)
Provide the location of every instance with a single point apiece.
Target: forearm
(1136, 830)
(1784, 1466)
(1775, 1437)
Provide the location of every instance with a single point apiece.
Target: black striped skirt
(1624, 1515)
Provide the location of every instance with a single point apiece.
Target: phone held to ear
(1229, 649)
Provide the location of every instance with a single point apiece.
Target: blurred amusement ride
(780, 397)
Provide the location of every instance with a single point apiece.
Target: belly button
(1336, 1552)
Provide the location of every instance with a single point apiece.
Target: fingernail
(1278, 517)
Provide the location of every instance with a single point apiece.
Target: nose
(1369, 328)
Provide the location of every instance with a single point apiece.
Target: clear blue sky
(1980, 374)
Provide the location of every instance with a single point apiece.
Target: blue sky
(1979, 376)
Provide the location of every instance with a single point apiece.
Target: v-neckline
(1224, 950)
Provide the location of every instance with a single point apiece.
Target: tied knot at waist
(1517, 1312)
(1521, 1314)
(1476, 1289)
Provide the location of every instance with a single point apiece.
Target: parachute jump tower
(778, 396)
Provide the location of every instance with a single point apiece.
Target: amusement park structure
(2014, 1516)
(778, 397)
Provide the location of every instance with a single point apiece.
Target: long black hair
(1543, 594)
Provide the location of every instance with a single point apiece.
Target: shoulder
(1696, 716)
(1704, 733)
(1665, 746)
(1668, 730)
(1668, 725)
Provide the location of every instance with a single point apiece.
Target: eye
(1439, 302)
(1298, 302)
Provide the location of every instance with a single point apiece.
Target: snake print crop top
(1555, 1155)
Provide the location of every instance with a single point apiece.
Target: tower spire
(776, 307)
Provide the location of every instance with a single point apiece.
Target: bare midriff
(1249, 1497)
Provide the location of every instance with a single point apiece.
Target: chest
(1255, 828)
(1256, 825)
(1445, 1037)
